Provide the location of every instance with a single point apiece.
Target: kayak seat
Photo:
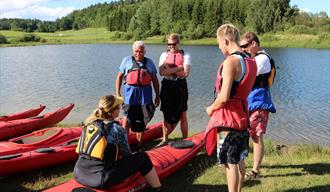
(44, 150)
(182, 144)
(72, 142)
(7, 157)
(38, 138)
(82, 189)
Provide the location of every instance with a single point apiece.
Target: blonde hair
(105, 106)
(174, 36)
(229, 31)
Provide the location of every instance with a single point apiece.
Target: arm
(155, 84)
(123, 142)
(186, 66)
(185, 72)
(164, 70)
(229, 73)
(119, 81)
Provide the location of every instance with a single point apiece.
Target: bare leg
(232, 177)
(241, 167)
(126, 125)
(167, 129)
(139, 137)
(152, 178)
(258, 152)
(184, 125)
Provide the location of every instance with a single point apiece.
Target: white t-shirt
(186, 58)
(263, 64)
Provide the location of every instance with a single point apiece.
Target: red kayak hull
(14, 128)
(38, 139)
(23, 115)
(42, 155)
(165, 159)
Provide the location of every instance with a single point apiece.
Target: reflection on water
(59, 74)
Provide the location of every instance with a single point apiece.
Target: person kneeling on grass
(105, 158)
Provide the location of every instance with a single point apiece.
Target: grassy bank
(101, 35)
(285, 168)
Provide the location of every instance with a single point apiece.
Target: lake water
(56, 75)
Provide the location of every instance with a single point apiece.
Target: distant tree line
(193, 19)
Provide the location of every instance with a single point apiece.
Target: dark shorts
(234, 147)
(174, 98)
(139, 115)
(94, 173)
(127, 166)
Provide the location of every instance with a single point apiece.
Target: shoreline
(102, 36)
(285, 168)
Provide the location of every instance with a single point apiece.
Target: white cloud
(32, 9)
(307, 10)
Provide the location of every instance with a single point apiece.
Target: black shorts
(127, 166)
(174, 98)
(139, 115)
(98, 174)
(234, 147)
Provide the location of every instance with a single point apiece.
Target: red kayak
(166, 160)
(38, 139)
(10, 129)
(23, 115)
(47, 152)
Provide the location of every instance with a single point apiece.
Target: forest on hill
(193, 19)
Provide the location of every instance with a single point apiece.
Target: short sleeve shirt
(263, 64)
(135, 95)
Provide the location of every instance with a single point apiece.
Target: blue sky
(53, 9)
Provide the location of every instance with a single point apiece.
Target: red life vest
(174, 59)
(234, 114)
(138, 75)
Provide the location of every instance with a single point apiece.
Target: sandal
(161, 144)
(251, 175)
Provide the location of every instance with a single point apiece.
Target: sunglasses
(171, 44)
(245, 45)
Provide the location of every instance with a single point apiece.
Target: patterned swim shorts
(234, 147)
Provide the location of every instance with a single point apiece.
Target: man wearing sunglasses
(259, 100)
(174, 65)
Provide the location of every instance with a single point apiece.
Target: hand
(157, 101)
(209, 110)
(180, 73)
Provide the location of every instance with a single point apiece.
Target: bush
(30, 38)
(126, 36)
(302, 29)
(324, 36)
(3, 39)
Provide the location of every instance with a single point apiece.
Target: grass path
(285, 168)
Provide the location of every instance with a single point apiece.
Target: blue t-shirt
(135, 95)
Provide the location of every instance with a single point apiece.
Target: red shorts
(258, 122)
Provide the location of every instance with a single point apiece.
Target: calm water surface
(56, 75)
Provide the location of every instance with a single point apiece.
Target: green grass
(101, 35)
(285, 168)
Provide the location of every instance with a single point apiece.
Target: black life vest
(93, 142)
(138, 75)
(266, 80)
